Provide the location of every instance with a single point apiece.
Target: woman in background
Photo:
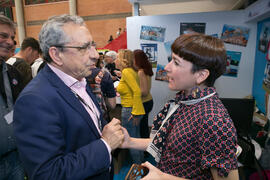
(193, 136)
(130, 93)
(144, 68)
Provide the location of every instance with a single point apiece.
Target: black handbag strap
(258, 166)
(260, 170)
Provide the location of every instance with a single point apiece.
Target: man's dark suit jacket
(15, 80)
(56, 136)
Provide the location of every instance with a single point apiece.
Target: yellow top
(130, 92)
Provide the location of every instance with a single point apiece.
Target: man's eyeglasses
(5, 36)
(84, 47)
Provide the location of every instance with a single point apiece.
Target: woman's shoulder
(128, 70)
(141, 73)
(213, 112)
(213, 107)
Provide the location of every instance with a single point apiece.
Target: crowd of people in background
(60, 126)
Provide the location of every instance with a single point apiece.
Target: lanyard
(89, 107)
(195, 101)
(7, 86)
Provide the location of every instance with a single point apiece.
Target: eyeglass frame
(5, 36)
(86, 46)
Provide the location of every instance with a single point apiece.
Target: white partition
(239, 86)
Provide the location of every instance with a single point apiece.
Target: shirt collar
(180, 96)
(67, 79)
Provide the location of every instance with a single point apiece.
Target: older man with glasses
(58, 123)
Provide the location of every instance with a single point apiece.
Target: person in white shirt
(38, 64)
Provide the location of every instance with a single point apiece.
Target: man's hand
(113, 134)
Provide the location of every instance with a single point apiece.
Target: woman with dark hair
(144, 68)
(193, 136)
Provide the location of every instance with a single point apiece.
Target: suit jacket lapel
(70, 98)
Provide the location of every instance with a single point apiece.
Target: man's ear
(28, 49)
(55, 56)
(27, 52)
(202, 75)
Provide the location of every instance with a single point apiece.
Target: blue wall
(260, 63)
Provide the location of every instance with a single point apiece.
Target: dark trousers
(11, 167)
(144, 129)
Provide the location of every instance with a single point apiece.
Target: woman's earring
(195, 92)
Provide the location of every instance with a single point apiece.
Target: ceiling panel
(159, 1)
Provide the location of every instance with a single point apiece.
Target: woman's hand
(118, 73)
(153, 174)
(126, 140)
(136, 120)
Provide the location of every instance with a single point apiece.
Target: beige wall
(106, 17)
(103, 17)
(191, 6)
(96, 7)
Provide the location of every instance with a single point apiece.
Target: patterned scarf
(162, 124)
(160, 131)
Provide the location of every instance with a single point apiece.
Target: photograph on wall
(266, 79)
(264, 37)
(268, 52)
(214, 35)
(167, 46)
(161, 74)
(233, 61)
(186, 28)
(152, 33)
(151, 51)
(235, 35)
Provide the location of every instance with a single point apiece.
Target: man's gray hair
(112, 54)
(6, 21)
(52, 33)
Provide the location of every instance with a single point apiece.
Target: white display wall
(235, 87)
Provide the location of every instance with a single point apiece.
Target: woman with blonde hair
(130, 93)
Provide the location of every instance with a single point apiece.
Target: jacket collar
(70, 98)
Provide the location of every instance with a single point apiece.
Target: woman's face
(117, 63)
(180, 75)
